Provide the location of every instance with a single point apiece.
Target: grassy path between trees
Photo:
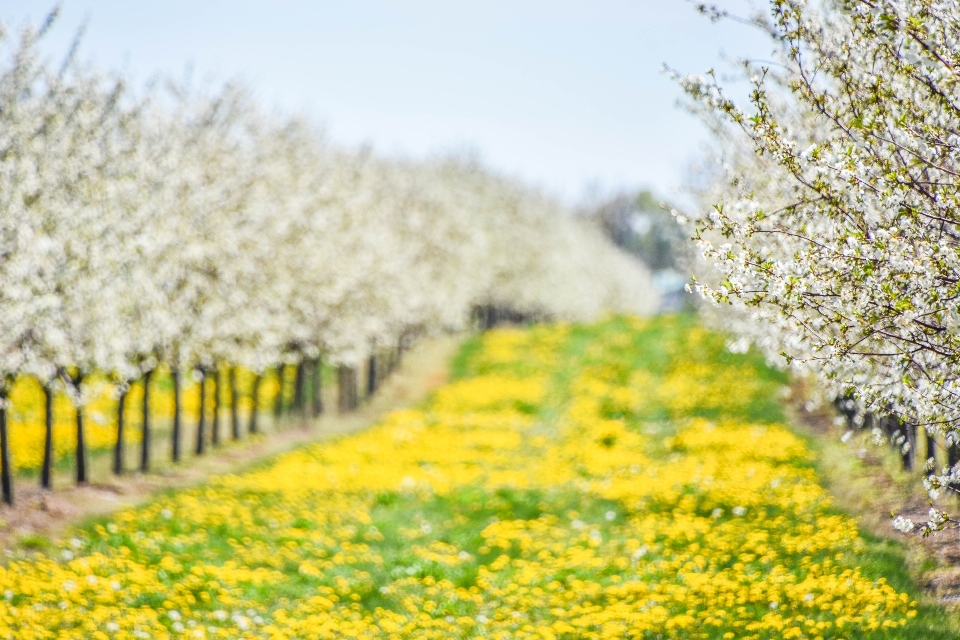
(628, 479)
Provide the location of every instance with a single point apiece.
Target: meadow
(630, 478)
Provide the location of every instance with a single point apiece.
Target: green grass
(661, 350)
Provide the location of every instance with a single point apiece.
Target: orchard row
(194, 230)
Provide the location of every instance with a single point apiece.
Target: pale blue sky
(563, 94)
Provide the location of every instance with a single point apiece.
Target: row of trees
(196, 230)
(832, 217)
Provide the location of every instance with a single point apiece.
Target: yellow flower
(538, 498)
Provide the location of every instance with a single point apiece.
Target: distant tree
(646, 228)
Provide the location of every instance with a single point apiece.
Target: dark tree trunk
(6, 473)
(343, 390)
(255, 403)
(234, 410)
(278, 405)
(215, 418)
(145, 424)
(175, 375)
(81, 440)
(202, 419)
(300, 387)
(372, 375)
(317, 387)
(354, 388)
(847, 407)
(910, 456)
(46, 472)
(953, 458)
(81, 449)
(118, 448)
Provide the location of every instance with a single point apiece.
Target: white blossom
(829, 221)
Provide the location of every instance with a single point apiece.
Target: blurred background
(570, 97)
(565, 95)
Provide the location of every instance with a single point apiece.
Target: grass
(602, 496)
(34, 542)
(870, 490)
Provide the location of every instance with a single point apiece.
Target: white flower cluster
(833, 209)
(196, 229)
(904, 525)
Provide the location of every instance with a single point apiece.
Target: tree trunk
(343, 391)
(317, 387)
(6, 473)
(910, 455)
(347, 379)
(847, 407)
(118, 448)
(145, 424)
(81, 440)
(924, 450)
(234, 410)
(202, 419)
(953, 458)
(394, 357)
(278, 403)
(299, 387)
(215, 417)
(175, 375)
(372, 375)
(255, 403)
(46, 479)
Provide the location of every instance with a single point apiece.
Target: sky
(567, 96)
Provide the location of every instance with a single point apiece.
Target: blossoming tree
(833, 217)
(195, 230)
